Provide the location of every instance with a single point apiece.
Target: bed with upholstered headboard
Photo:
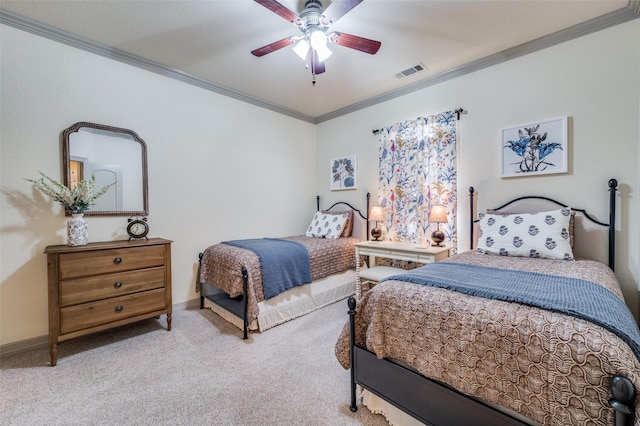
(257, 284)
(528, 327)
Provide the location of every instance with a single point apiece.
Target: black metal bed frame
(435, 403)
(239, 306)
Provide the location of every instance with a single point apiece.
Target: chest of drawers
(106, 284)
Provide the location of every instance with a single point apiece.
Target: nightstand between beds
(419, 253)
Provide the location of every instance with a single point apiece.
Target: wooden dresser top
(103, 245)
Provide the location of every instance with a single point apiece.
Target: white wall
(595, 80)
(215, 162)
(218, 168)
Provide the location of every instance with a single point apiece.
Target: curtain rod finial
(458, 112)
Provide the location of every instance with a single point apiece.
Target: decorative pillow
(326, 225)
(572, 220)
(347, 231)
(543, 234)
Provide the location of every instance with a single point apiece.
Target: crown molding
(625, 14)
(38, 28)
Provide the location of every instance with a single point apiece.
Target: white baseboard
(42, 342)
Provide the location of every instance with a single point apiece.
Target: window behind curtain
(418, 169)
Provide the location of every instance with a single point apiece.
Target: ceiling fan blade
(317, 67)
(272, 47)
(354, 42)
(279, 9)
(338, 8)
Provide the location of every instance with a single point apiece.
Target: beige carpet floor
(199, 373)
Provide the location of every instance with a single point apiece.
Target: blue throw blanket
(285, 264)
(580, 298)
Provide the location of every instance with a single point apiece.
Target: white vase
(77, 231)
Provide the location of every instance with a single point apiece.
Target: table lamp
(376, 215)
(438, 214)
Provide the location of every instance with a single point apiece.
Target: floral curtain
(418, 170)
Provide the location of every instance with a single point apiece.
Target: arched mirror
(111, 154)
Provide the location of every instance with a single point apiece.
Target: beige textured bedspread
(549, 367)
(221, 266)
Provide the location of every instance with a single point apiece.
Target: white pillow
(543, 234)
(327, 225)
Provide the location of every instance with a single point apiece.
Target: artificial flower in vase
(76, 201)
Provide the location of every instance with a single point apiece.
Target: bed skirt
(295, 302)
(397, 417)
(394, 415)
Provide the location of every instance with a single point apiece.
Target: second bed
(232, 275)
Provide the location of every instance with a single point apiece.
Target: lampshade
(438, 214)
(323, 53)
(301, 49)
(318, 39)
(375, 213)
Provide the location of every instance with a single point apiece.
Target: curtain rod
(457, 111)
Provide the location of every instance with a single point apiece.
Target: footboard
(236, 306)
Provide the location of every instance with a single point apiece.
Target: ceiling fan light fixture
(323, 53)
(301, 49)
(314, 22)
(318, 41)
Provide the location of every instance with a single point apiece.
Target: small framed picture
(343, 173)
(535, 149)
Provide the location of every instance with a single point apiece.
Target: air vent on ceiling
(414, 69)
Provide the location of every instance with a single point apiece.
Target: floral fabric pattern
(418, 169)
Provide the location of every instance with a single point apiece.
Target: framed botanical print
(535, 149)
(343, 173)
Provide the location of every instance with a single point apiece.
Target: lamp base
(437, 237)
(376, 233)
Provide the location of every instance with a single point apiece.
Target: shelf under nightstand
(419, 253)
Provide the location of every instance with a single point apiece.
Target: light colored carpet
(201, 372)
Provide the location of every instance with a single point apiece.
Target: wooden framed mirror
(111, 154)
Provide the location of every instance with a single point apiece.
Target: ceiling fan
(314, 24)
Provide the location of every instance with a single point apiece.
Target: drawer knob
(119, 308)
(117, 284)
(117, 260)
